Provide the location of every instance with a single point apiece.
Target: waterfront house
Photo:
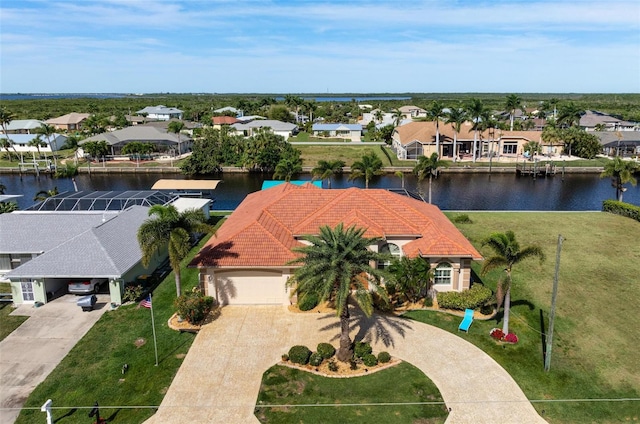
(219, 121)
(69, 122)
(250, 128)
(162, 140)
(619, 143)
(53, 143)
(351, 132)
(247, 260)
(22, 126)
(598, 121)
(161, 112)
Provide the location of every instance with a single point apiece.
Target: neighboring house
(22, 126)
(351, 132)
(247, 261)
(21, 142)
(69, 122)
(619, 143)
(219, 121)
(248, 129)
(42, 251)
(387, 119)
(417, 139)
(161, 112)
(228, 109)
(135, 119)
(410, 112)
(598, 121)
(158, 136)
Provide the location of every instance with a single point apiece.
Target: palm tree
(456, 117)
(326, 169)
(176, 127)
(6, 117)
(37, 143)
(45, 194)
(287, 168)
(428, 165)
(507, 253)
(397, 117)
(167, 227)
(337, 262)
(47, 131)
(569, 115)
(554, 102)
(475, 109)
(378, 115)
(435, 113)
(8, 207)
(621, 172)
(512, 103)
(369, 166)
(410, 277)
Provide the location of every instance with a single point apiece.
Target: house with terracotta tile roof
(248, 260)
(219, 121)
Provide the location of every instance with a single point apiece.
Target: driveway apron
(34, 349)
(220, 377)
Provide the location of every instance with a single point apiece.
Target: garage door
(251, 288)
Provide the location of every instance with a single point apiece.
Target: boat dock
(536, 169)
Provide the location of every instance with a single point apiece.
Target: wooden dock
(536, 169)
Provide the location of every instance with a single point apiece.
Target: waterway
(577, 192)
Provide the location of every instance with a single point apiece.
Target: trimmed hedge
(384, 357)
(469, 299)
(361, 349)
(622, 208)
(315, 359)
(299, 354)
(308, 301)
(370, 360)
(193, 306)
(326, 350)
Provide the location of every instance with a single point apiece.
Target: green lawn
(594, 353)
(8, 323)
(348, 153)
(92, 371)
(286, 386)
(303, 137)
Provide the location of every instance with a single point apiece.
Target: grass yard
(347, 153)
(594, 353)
(8, 323)
(92, 371)
(287, 386)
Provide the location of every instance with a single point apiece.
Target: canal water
(577, 192)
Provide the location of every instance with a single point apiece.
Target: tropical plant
(6, 117)
(176, 128)
(428, 166)
(367, 167)
(456, 117)
(512, 103)
(45, 194)
(167, 227)
(436, 113)
(533, 147)
(37, 143)
(96, 149)
(475, 110)
(397, 117)
(287, 168)
(378, 115)
(335, 263)
(47, 131)
(193, 306)
(326, 169)
(8, 207)
(569, 115)
(411, 277)
(506, 254)
(621, 172)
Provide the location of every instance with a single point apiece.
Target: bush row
(476, 296)
(363, 352)
(622, 208)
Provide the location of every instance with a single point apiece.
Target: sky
(335, 46)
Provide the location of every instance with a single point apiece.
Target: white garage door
(251, 288)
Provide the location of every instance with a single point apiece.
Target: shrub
(308, 301)
(622, 208)
(333, 366)
(132, 293)
(468, 299)
(315, 359)
(428, 302)
(299, 354)
(496, 333)
(381, 303)
(361, 349)
(370, 360)
(326, 350)
(462, 219)
(486, 309)
(193, 306)
(285, 357)
(511, 338)
(384, 357)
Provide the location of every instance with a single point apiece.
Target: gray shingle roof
(107, 250)
(141, 133)
(159, 110)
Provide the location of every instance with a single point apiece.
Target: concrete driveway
(34, 349)
(220, 377)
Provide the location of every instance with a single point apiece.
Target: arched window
(443, 273)
(388, 249)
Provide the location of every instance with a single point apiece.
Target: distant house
(21, 142)
(156, 135)
(69, 122)
(619, 143)
(229, 110)
(248, 260)
(219, 121)
(248, 129)
(22, 126)
(599, 121)
(410, 112)
(351, 132)
(161, 112)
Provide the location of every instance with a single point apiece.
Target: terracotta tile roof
(223, 120)
(267, 225)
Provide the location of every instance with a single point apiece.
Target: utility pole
(552, 315)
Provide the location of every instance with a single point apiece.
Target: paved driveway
(220, 377)
(34, 349)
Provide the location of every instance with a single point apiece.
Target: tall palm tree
(6, 116)
(428, 166)
(369, 166)
(337, 262)
(47, 131)
(37, 143)
(397, 117)
(287, 168)
(554, 102)
(326, 169)
(621, 172)
(507, 253)
(512, 103)
(475, 109)
(167, 227)
(378, 115)
(176, 127)
(569, 115)
(435, 113)
(456, 117)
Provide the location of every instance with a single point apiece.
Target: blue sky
(139, 46)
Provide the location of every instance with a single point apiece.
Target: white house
(247, 129)
(161, 112)
(351, 132)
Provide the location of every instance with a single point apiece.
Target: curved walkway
(220, 377)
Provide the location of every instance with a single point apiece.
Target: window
(414, 150)
(510, 148)
(388, 249)
(443, 273)
(27, 291)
